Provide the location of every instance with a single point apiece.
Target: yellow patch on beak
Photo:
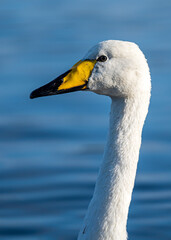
(73, 80)
(79, 75)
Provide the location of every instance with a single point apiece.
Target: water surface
(51, 148)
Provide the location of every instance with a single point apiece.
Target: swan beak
(73, 80)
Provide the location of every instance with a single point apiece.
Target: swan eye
(102, 58)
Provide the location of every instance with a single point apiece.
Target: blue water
(51, 148)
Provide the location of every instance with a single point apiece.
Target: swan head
(112, 68)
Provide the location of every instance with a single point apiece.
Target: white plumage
(125, 78)
(119, 70)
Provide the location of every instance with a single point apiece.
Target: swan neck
(106, 217)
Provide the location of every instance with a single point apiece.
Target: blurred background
(51, 148)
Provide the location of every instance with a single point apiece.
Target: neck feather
(106, 217)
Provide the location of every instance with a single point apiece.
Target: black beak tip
(37, 93)
(32, 95)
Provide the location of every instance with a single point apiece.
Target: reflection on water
(51, 148)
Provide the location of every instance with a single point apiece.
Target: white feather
(125, 78)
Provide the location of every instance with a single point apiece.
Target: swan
(119, 70)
